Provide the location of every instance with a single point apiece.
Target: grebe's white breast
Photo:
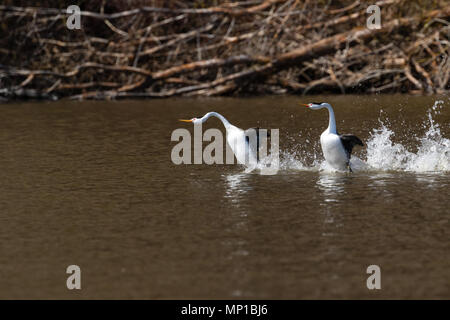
(236, 139)
(333, 150)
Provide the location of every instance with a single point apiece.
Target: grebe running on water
(238, 139)
(337, 148)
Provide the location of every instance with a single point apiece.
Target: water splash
(432, 155)
(293, 161)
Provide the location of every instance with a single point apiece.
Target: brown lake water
(92, 184)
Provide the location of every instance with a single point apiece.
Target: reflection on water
(380, 179)
(331, 185)
(429, 180)
(92, 184)
(236, 187)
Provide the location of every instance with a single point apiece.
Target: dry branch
(233, 47)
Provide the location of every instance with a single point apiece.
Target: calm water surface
(92, 184)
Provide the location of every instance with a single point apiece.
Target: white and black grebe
(337, 148)
(239, 140)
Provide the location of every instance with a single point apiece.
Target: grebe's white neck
(332, 120)
(225, 122)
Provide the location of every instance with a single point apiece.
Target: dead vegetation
(203, 48)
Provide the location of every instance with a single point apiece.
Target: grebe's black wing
(259, 137)
(349, 141)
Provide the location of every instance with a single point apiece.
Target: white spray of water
(382, 154)
(433, 153)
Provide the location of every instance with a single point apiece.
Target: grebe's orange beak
(185, 120)
(306, 105)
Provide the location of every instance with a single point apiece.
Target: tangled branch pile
(153, 48)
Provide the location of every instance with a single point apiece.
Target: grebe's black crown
(318, 102)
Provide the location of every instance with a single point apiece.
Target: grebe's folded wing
(259, 138)
(349, 141)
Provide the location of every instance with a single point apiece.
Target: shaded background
(206, 48)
